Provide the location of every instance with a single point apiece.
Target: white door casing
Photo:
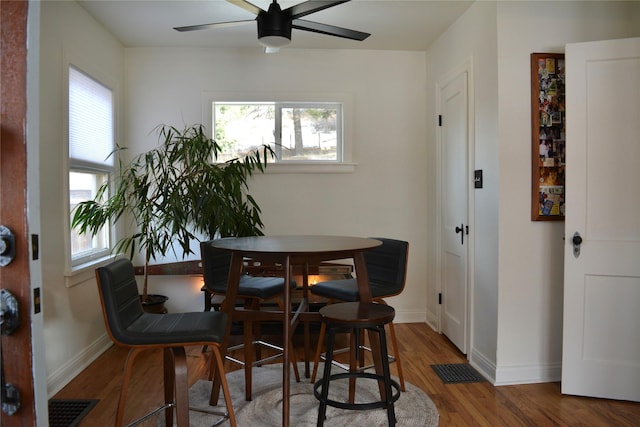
(601, 341)
(453, 100)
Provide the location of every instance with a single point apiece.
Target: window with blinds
(91, 143)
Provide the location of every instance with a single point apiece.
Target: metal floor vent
(457, 373)
(68, 413)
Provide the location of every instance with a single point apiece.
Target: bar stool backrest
(215, 267)
(120, 299)
(387, 267)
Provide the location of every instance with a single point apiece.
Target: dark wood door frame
(16, 348)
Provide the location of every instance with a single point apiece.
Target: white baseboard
(483, 365)
(61, 377)
(531, 374)
(409, 317)
(510, 375)
(432, 320)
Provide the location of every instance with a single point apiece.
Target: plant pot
(154, 303)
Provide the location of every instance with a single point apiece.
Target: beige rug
(413, 408)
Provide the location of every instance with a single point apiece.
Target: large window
(91, 142)
(297, 132)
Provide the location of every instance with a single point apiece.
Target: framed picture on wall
(547, 136)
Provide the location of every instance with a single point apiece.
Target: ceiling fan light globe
(274, 41)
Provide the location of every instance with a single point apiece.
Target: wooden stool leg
(256, 329)
(396, 354)
(316, 358)
(294, 362)
(180, 384)
(126, 379)
(217, 360)
(169, 384)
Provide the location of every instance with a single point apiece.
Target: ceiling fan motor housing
(273, 24)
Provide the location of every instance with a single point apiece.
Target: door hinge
(439, 119)
(440, 298)
(35, 247)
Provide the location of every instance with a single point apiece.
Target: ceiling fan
(275, 24)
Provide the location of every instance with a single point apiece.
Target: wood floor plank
(474, 404)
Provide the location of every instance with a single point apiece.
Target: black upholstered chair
(130, 327)
(387, 270)
(253, 291)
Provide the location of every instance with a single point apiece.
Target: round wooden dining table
(292, 250)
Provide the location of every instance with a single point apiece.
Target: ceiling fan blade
(247, 6)
(330, 30)
(311, 6)
(213, 24)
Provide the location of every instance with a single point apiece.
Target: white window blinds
(91, 138)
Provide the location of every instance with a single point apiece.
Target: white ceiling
(393, 24)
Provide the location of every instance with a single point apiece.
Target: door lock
(7, 246)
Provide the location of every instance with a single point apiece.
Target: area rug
(414, 408)
(69, 412)
(457, 373)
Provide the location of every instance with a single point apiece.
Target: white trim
(465, 68)
(84, 272)
(528, 374)
(409, 316)
(310, 167)
(39, 372)
(483, 365)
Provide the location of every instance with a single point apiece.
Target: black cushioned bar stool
(356, 317)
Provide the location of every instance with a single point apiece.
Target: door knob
(577, 241)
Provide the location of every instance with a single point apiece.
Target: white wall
(384, 196)
(531, 253)
(72, 318)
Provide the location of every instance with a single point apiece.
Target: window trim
(77, 272)
(346, 165)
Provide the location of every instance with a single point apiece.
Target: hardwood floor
(476, 404)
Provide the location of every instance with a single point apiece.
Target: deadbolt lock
(7, 246)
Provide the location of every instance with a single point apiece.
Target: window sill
(310, 167)
(85, 272)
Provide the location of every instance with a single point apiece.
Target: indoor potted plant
(174, 193)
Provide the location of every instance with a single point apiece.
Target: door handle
(8, 323)
(461, 231)
(577, 241)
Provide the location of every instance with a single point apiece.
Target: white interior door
(601, 342)
(454, 192)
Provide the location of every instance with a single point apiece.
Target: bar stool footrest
(357, 406)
